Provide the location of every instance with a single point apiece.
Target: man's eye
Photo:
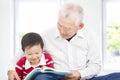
(37, 53)
(29, 54)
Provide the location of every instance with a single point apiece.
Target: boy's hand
(12, 75)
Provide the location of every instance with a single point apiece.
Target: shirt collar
(80, 33)
(42, 62)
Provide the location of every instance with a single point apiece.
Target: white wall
(92, 9)
(5, 43)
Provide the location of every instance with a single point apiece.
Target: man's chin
(65, 37)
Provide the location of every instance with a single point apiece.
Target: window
(112, 32)
(34, 16)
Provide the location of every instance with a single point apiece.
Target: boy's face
(33, 54)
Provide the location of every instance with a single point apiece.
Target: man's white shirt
(81, 53)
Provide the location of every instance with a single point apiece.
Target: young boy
(32, 46)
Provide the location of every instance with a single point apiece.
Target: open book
(46, 70)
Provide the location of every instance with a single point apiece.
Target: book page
(46, 70)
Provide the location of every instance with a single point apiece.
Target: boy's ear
(81, 25)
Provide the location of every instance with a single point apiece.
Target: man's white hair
(72, 11)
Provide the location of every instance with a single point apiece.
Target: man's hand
(12, 75)
(74, 76)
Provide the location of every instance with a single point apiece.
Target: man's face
(67, 27)
(33, 54)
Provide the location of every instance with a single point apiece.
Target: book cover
(46, 70)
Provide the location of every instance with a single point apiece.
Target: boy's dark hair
(31, 39)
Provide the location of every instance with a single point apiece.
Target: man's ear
(81, 25)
